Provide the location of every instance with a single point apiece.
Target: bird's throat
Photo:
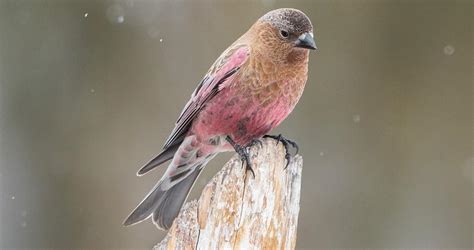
(297, 56)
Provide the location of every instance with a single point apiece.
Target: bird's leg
(286, 143)
(243, 153)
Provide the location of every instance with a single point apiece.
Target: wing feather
(225, 66)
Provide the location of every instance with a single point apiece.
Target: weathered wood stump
(239, 211)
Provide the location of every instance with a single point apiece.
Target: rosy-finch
(249, 90)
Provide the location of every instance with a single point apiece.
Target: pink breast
(242, 117)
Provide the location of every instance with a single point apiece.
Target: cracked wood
(238, 211)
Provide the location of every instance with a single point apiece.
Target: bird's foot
(286, 143)
(243, 153)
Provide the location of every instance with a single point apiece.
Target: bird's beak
(306, 40)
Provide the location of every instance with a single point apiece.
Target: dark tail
(164, 156)
(164, 205)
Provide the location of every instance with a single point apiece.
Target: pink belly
(241, 117)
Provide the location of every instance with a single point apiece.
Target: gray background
(384, 125)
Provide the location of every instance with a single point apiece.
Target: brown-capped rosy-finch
(249, 90)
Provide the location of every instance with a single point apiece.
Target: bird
(249, 90)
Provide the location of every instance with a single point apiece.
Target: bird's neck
(297, 56)
(268, 80)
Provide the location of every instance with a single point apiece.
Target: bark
(239, 211)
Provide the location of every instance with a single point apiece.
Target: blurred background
(90, 90)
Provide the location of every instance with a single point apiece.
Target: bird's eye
(284, 33)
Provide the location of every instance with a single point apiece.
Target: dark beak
(306, 40)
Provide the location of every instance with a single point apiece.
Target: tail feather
(173, 200)
(164, 205)
(146, 207)
(164, 156)
(164, 201)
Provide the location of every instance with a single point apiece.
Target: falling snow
(86, 15)
(115, 14)
(448, 50)
(120, 19)
(356, 118)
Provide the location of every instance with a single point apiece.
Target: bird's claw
(243, 153)
(245, 158)
(286, 143)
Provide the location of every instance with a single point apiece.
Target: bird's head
(285, 32)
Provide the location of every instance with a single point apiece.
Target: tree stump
(239, 211)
